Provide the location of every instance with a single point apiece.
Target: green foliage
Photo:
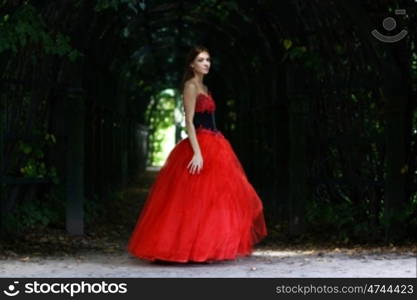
(25, 26)
(347, 220)
(117, 4)
(221, 10)
(34, 165)
(39, 213)
(403, 215)
(414, 68)
(307, 57)
(93, 209)
(49, 211)
(160, 116)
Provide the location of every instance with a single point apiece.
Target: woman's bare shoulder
(190, 87)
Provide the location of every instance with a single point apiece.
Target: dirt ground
(262, 263)
(101, 253)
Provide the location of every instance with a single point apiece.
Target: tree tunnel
(319, 112)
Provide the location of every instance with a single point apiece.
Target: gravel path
(262, 263)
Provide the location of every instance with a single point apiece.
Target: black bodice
(205, 120)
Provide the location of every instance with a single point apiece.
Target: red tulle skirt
(212, 215)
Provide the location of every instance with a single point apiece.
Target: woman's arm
(189, 98)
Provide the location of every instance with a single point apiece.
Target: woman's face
(201, 63)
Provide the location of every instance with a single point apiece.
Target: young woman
(201, 207)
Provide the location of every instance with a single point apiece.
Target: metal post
(2, 184)
(75, 162)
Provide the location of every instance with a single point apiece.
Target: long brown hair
(188, 71)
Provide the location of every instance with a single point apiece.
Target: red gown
(212, 215)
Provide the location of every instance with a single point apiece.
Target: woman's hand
(196, 164)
